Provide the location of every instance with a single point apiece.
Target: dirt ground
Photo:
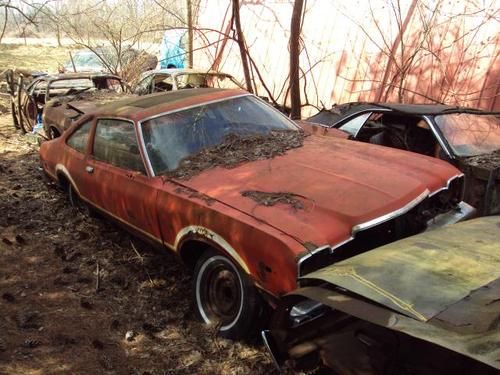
(54, 320)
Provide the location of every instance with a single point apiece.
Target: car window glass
(115, 143)
(352, 127)
(78, 140)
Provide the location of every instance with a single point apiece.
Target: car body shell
(438, 289)
(482, 173)
(267, 243)
(146, 82)
(30, 102)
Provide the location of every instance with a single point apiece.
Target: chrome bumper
(463, 212)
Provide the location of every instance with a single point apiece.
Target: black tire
(14, 116)
(76, 202)
(51, 132)
(224, 295)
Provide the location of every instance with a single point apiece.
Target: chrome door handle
(89, 169)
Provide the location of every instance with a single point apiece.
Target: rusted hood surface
(424, 275)
(83, 106)
(339, 183)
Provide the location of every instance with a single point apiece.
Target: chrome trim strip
(306, 256)
(442, 143)
(267, 343)
(461, 175)
(363, 226)
(355, 114)
(214, 237)
(390, 215)
(60, 167)
(146, 155)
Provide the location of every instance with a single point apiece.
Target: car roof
(141, 107)
(88, 75)
(340, 112)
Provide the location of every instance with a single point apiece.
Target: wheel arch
(192, 241)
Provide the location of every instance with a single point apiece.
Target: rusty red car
(242, 195)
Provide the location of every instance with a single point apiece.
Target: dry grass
(33, 57)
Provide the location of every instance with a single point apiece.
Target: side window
(78, 140)
(115, 143)
(353, 126)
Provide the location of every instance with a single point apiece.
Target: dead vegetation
(270, 199)
(80, 296)
(234, 150)
(488, 161)
(101, 96)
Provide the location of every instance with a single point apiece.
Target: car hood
(442, 286)
(339, 184)
(446, 265)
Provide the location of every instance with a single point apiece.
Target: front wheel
(224, 295)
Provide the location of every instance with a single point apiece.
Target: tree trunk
(241, 44)
(189, 21)
(294, 58)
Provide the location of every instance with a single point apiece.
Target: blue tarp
(172, 53)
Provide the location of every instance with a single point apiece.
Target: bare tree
(242, 45)
(294, 45)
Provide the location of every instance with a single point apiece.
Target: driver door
(119, 184)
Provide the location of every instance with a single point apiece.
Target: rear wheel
(224, 295)
(14, 116)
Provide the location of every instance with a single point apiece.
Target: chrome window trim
(442, 143)
(149, 167)
(363, 226)
(355, 114)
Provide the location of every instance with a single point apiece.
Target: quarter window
(78, 140)
(115, 143)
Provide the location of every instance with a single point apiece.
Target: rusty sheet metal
(478, 341)
(422, 275)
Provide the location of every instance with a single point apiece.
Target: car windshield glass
(197, 80)
(73, 86)
(175, 136)
(470, 134)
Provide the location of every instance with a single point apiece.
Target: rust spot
(264, 270)
(270, 199)
(191, 193)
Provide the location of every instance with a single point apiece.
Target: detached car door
(118, 179)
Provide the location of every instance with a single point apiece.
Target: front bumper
(462, 212)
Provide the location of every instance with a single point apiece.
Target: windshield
(470, 134)
(175, 136)
(197, 80)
